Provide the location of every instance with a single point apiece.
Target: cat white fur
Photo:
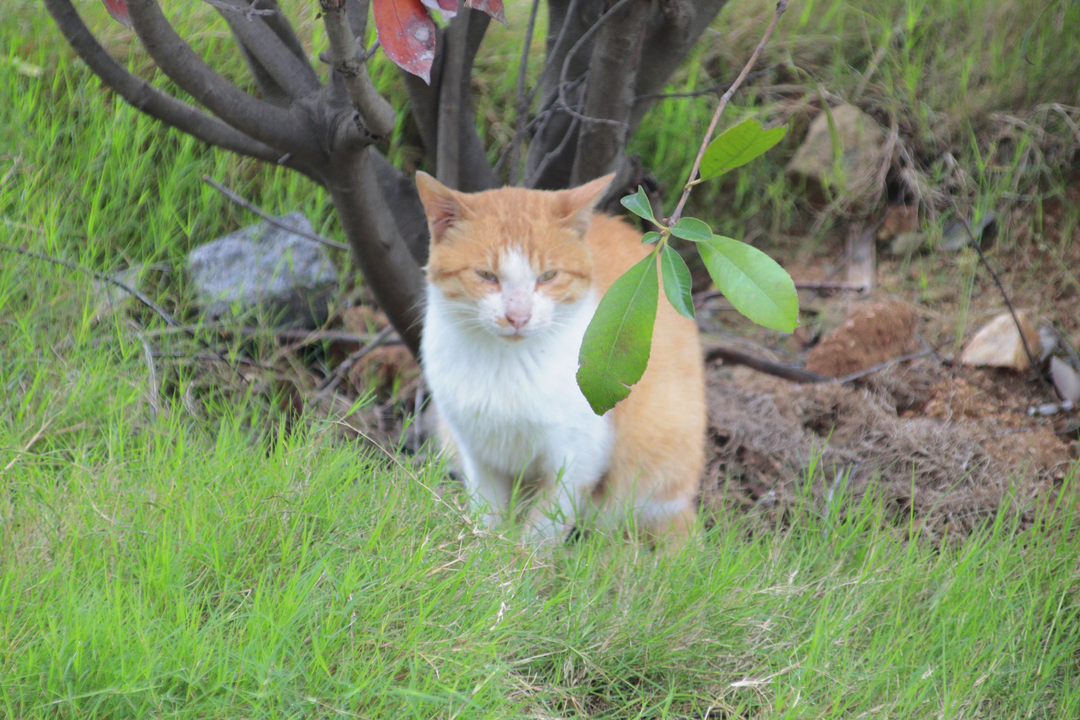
(514, 408)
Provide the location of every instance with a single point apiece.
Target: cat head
(512, 262)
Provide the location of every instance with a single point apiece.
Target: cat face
(510, 262)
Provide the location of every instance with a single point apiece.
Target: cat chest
(514, 412)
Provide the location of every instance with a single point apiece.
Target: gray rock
(906, 243)
(286, 275)
(955, 235)
(859, 142)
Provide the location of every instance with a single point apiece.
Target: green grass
(180, 549)
(186, 567)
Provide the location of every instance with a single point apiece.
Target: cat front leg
(489, 491)
(561, 502)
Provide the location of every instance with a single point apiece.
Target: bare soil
(946, 446)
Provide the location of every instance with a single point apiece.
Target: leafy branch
(615, 349)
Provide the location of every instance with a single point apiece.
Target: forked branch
(347, 57)
(148, 99)
(275, 126)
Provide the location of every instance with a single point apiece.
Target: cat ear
(575, 207)
(441, 205)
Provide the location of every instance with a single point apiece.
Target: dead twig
(738, 357)
(158, 310)
(975, 243)
(717, 88)
(270, 218)
(334, 378)
(151, 372)
(881, 366)
(794, 374)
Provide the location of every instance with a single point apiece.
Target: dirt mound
(871, 334)
(768, 435)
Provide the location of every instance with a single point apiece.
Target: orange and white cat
(514, 277)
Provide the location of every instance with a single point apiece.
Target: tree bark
(610, 93)
(382, 254)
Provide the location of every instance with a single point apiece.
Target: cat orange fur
(647, 453)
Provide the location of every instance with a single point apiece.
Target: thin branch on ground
(738, 357)
(799, 375)
(157, 309)
(781, 6)
(882, 366)
(270, 218)
(334, 378)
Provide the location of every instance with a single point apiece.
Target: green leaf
(650, 237)
(616, 346)
(753, 282)
(691, 229)
(638, 203)
(677, 281)
(738, 145)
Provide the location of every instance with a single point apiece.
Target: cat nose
(519, 318)
(518, 308)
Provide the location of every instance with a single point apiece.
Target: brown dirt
(944, 444)
(871, 334)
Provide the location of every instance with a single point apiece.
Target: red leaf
(407, 34)
(118, 10)
(494, 8)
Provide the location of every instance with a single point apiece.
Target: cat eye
(548, 276)
(487, 276)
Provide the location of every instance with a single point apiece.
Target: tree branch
(609, 94)
(346, 56)
(268, 55)
(611, 12)
(269, 124)
(448, 147)
(281, 26)
(251, 207)
(475, 172)
(378, 247)
(521, 102)
(146, 98)
(671, 33)
(572, 18)
(400, 196)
